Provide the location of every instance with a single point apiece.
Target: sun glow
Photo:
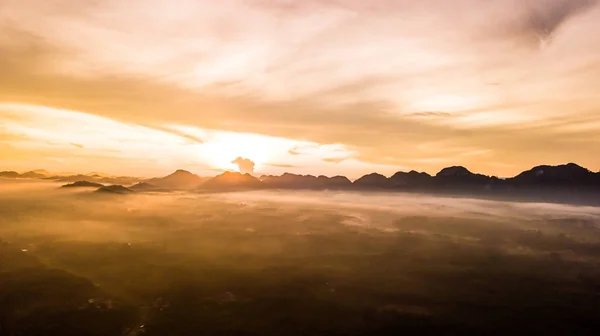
(220, 148)
(224, 148)
(56, 138)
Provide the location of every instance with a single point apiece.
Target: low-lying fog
(315, 262)
(37, 208)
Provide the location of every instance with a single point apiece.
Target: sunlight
(54, 137)
(50, 136)
(220, 148)
(224, 148)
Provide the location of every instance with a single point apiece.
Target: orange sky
(144, 87)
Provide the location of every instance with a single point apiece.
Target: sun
(217, 149)
(224, 147)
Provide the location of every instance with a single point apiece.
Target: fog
(35, 208)
(327, 262)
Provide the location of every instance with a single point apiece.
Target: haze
(298, 263)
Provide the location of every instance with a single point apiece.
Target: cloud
(300, 81)
(77, 145)
(334, 160)
(304, 149)
(430, 114)
(245, 166)
(542, 19)
(187, 136)
(282, 165)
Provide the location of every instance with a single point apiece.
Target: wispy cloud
(335, 159)
(187, 136)
(431, 114)
(542, 19)
(283, 165)
(378, 77)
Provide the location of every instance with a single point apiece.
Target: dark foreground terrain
(314, 263)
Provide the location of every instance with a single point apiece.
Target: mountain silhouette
(233, 181)
(75, 178)
(144, 186)
(179, 180)
(33, 174)
(115, 189)
(10, 174)
(454, 171)
(98, 174)
(294, 181)
(460, 177)
(410, 180)
(568, 174)
(569, 183)
(42, 172)
(83, 184)
(288, 180)
(97, 178)
(334, 182)
(125, 180)
(373, 180)
(455, 177)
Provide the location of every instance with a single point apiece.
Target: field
(301, 263)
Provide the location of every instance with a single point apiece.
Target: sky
(144, 87)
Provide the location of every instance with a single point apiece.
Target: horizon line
(258, 176)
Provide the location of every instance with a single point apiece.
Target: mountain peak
(412, 173)
(410, 179)
(115, 189)
(454, 171)
(575, 166)
(233, 174)
(10, 174)
(83, 184)
(180, 179)
(374, 175)
(143, 186)
(181, 172)
(295, 181)
(563, 174)
(372, 180)
(41, 171)
(235, 180)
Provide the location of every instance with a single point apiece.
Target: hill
(568, 174)
(115, 189)
(144, 186)
(179, 180)
(233, 181)
(561, 183)
(83, 184)
(411, 179)
(10, 174)
(373, 180)
(293, 181)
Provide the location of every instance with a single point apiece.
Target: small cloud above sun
(245, 166)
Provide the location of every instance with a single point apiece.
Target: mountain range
(179, 180)
(72, 177)
(563, 183)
